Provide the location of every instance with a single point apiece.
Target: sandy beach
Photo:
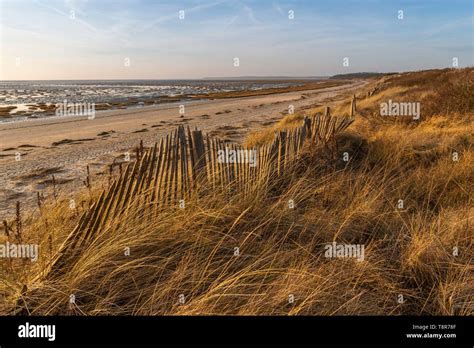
(63, 147)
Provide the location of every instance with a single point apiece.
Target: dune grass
(256, 255)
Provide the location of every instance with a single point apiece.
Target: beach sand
(63, 147)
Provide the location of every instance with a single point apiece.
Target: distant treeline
(360, 75)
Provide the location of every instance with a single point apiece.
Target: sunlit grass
(422, 253)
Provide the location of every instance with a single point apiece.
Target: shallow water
(129, 93)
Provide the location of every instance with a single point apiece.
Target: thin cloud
(250, 14)
(277, 8)
(58, 11)
(174, 16)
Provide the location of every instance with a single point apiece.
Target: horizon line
(289, 77)
(243, 77)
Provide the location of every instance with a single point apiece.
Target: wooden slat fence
(186, 163)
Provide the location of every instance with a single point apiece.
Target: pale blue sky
(40, 40)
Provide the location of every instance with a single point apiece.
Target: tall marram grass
(191, 253)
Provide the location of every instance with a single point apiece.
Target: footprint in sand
(42, 172)
(227, 132)
(14, 196)
(187, 119)
(106, 133)
(27, 145)
(249, 124)
(71, 141)
(141, 130)
(268, 123)
(223, 112)
(13, 154)
(48, 182)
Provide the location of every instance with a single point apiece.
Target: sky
(145, 39)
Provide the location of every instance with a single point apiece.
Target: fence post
(353, 106)
(327, 111)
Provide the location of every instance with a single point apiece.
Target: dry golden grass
(191, 252)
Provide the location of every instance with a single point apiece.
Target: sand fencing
(188, 163)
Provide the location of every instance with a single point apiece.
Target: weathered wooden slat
(103, 213)
(330, 129)
(185, 184)
(127, 189)
(155, 182)
(141, 175)
(167, 171)
(171, 182)
(142, 189)
(192, 158)
(161, 173)
(97, 208)
(174, 191)
(123, 182)
(199, 151)
(212, 161)
(281, 152)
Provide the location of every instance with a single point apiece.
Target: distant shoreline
(362, 74)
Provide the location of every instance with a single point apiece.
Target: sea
(25, 100)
